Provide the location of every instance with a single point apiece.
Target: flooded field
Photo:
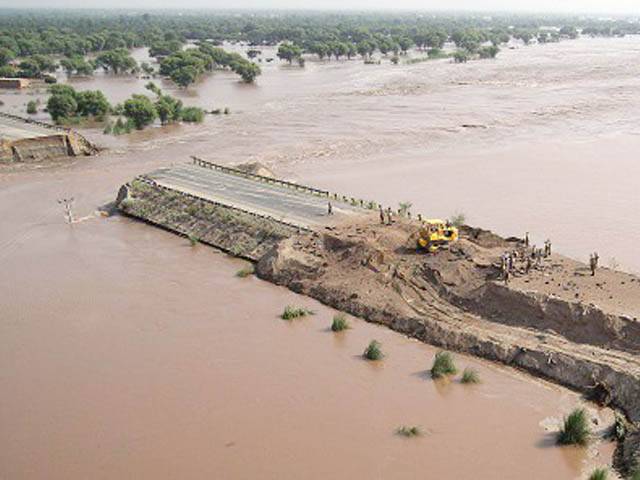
(127, 353)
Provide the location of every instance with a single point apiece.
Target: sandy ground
(612, 291)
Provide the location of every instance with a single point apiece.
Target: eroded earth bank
(555, 321)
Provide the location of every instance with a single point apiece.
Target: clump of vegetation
(192, 114)
(488, 52)
(65, 103)
(290, 312)
(184, 67)
(32, 107)
(575, 429)
(193, 240)
(77, 65)
(246, 271)
(289, 52)
(443, 365)
(619, 428)
(461, 56)
(339, 323)
(404, 208)
(119, 127)
(599, 474)
(470, 376)
(117, 61)
(140, 110)
(457, 219)
(409, 431)
(635, 475)
(373, 351)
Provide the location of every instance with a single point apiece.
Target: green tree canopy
(289, 52)
(117, 61)
(61, 106)
(140, 110)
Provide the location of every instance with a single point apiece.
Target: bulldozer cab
(435, 234)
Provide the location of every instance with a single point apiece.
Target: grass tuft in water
(339, 323)
(599, 474)
(373, 351)
(408, 431)
(245, 272)
(290, 312)
(575, 430)
(470, 376)
(443, 365)
(193, 240)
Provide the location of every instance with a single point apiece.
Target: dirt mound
(455, 299)
(255, 168)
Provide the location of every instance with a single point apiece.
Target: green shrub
(193, 239)
(635, 475)
(339, 323)
(32, 107)
(470, 376)
(599, 474)
(458, 219)
(575, 429)
(461, 56)
(408, 431)
(373, 351)
(192, 114)
(245, 272)
(443, 365)
(290, 312)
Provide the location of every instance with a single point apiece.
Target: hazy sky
(577, 6)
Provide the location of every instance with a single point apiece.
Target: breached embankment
(453, 299)
(29, 141)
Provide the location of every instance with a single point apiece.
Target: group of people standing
(530, 256)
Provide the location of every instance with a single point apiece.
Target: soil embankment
(237, 232)
(453, 299)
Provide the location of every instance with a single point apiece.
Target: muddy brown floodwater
(125, 353)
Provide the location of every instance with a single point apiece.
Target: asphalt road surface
(11, 130)
(280, 202)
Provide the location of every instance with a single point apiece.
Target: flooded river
(544, 139)
(126, 353)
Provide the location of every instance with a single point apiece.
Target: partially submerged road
(14, 129)
(278, 201)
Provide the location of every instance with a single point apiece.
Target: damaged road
(453, 299)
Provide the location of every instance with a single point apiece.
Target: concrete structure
(26, 140)
(286, 202)
(14, 83)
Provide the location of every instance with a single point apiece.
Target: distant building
(14, 83)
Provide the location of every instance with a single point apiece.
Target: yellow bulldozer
(435, 234)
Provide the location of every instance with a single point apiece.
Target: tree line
(88, 40)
